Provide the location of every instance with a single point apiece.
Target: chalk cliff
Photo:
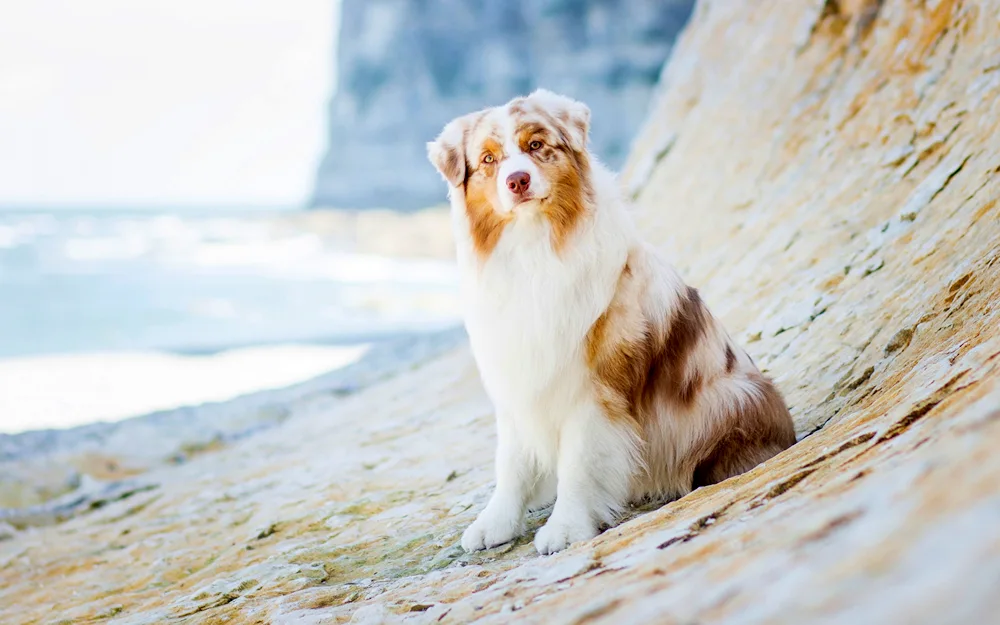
(826, 173)
(405, 68)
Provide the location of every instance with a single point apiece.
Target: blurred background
(203, 199)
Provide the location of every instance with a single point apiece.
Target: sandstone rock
(862, 274)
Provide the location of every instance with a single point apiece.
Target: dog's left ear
(447, 152)
(572, 114)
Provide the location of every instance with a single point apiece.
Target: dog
(611, 381)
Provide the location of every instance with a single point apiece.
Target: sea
(201, 281)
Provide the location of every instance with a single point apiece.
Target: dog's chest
(528, 311)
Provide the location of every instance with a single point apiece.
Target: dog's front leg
(597, 461)
(502, 519)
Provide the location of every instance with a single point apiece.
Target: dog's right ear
(447, 152)
(574, 115)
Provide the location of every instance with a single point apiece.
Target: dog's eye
(488, 159)
(535, 145)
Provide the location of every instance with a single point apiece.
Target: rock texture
(405, 68)
(826, 174)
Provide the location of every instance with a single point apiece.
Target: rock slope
(826, 174)
(405, 68)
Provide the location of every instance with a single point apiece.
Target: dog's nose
(518, 182)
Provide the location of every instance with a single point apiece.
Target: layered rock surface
(405, 68)
(826, 174)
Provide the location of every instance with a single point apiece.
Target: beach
(58, 391)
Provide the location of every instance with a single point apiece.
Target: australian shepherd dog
(611, 380)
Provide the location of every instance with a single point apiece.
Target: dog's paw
(560, 533)
(491, 528)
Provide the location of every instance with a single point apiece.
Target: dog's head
(527, 157)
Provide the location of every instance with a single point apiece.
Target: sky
(133, 103)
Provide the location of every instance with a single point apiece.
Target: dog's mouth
(523, 198)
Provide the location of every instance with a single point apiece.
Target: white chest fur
(528, 309)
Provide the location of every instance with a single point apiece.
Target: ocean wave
(94, 281)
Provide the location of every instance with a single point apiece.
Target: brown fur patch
(517, 106)
(530, 131)
(450, 161)
(689, 388)
(485, 223)
(615, 357)
(761, 430)
(557, 126)
(452, 164)
(567, 170)
(668, 368)
(570, 193)
(650, 358)
(730, 359)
